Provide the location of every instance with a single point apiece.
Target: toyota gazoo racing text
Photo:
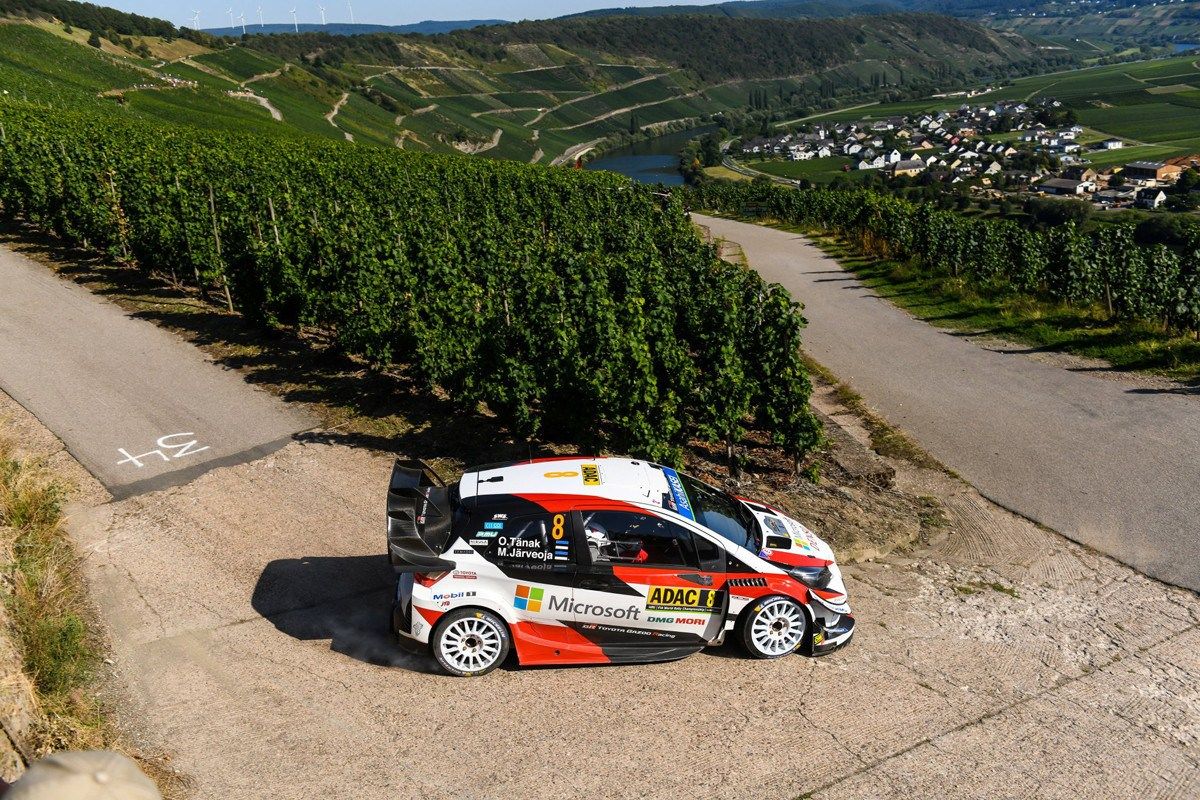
(601, 560)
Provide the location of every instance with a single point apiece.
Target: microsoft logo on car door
(528, 598)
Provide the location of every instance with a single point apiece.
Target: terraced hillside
(1135, 25)
(536, 92)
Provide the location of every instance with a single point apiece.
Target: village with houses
(997, 150)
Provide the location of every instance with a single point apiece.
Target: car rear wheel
(470, 642)
(774, 627)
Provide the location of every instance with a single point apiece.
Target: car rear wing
(419, 516)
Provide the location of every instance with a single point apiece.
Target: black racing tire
(470, 642)
(773, 627)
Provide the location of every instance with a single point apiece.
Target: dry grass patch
(48, 618)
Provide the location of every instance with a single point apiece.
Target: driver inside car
(605, 548)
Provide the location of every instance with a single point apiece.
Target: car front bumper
(827, 639)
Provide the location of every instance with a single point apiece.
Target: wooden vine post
(212, 207)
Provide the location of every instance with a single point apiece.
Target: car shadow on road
(345, 599)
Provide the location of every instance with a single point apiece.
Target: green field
(240, 62)
(202, 108)
(1150, 122)
(817, 170)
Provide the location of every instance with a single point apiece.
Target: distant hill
(1147, 24)
(427, 27)
(817, 9)
(721, 48)
(754, 9)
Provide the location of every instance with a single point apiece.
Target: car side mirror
(779, 543)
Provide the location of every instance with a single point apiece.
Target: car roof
(622, 479)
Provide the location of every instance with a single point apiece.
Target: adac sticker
(682, 506)
(680, 600)
(591, 474)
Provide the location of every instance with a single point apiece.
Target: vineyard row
(1155, 283)
(571, 304)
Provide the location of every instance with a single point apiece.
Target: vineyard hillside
(532, 92)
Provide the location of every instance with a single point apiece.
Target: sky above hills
(381, 12)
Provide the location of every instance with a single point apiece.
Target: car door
(641, 584)
(535, 559)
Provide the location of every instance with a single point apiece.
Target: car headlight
(817, 577)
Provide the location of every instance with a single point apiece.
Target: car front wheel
(774, 627)
(470, 642)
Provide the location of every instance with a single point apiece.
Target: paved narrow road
(1108, 464)
(137, 406)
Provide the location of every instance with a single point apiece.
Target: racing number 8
(557, 531)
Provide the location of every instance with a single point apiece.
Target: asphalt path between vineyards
(1111, 464)
(137, 406)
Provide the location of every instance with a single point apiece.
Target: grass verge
(948, 302)
(46, 605)
(50, 621)
(1044, 326)
(886, 440)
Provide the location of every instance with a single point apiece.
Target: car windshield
(721, 512)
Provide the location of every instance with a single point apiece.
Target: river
(651, 161)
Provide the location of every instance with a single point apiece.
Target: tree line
(571, 303)
(719, 48)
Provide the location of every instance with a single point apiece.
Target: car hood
(803, 549)
(801, 541)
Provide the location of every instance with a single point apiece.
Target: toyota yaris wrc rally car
(601, 560)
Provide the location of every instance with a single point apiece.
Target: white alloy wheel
(774, 627)
(470, 642)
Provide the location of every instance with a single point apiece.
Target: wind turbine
(242, 17)
(295, 25)
(260, 22)
(350, 6)
(195, 20)
(321, 8)
(231, 17)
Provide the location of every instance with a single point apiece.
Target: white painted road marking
(184, 448)
(107, 384)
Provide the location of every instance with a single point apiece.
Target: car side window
(542, 538)
(627, 537)
(712, 557)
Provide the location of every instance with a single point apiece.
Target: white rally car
(601, 560)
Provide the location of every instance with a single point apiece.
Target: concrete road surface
(138, 407)
(1108, 464)
(248, 612)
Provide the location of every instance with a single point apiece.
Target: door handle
(702, 580)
